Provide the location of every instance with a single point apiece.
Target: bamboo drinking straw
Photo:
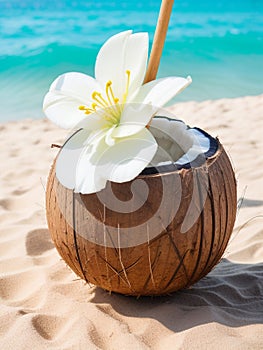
(159, 39)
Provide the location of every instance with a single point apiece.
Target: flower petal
(161, 91)
(90, 177)
(68, 157)
(62, 110)
(110, 62)
(73, 166)
(92, 122)
(66, 94)
(76, 85)
(110, 141)
(134, 118)
(135, 59)
(122, 52)
(86, 169)
(129, 156)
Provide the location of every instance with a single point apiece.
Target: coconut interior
(179, 145)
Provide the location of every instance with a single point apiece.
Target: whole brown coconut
(147, 247)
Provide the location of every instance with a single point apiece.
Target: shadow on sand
(231, 294)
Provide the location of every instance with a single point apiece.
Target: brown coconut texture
(170, 261)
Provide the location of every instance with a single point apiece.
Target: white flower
(110, 114)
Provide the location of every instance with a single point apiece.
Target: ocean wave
(39, 54)
(23, 33)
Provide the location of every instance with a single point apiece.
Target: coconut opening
(179, 146)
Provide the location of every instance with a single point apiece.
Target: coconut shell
(159, 247)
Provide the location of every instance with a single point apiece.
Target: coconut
(159, 233)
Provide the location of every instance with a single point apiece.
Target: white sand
(45, 306)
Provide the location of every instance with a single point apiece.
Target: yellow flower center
(109, 105)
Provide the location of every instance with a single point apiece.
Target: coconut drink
(138, 202)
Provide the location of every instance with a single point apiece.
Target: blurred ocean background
(219, 43)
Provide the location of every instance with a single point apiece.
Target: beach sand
(44, 305)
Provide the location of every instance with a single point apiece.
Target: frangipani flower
(110, 114)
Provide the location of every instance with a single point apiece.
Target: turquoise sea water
(220, 44)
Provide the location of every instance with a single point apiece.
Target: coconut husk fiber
(147, 249)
